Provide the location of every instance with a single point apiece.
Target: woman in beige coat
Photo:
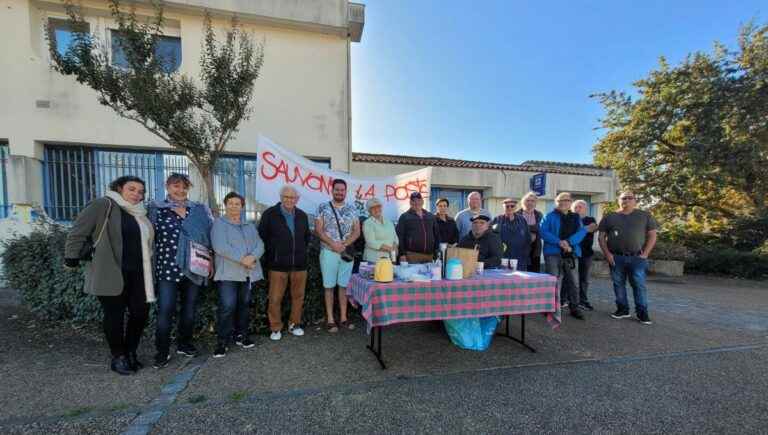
(118, 269)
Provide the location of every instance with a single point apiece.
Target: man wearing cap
(464, 217)
(487, 242)
(417, 233)
(379, 233)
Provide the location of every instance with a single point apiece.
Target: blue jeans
(167, 293)
(632, 267)
(234, 303)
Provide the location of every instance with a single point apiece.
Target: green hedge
(729, 262)
(33, 264)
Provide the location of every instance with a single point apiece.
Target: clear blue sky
(508, 81)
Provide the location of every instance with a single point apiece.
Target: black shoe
(161, 360)
(577, 314)
(244, 341)
(643, 318)
(187, 350)
(586, 306)
(120, 365)
(620, 314)
(221, 351)
(133, 362)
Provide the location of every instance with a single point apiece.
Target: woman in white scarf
(121, 237)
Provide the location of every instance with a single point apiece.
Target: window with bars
(75, 175)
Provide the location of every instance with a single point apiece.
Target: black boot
(120, 365)
(133, 362)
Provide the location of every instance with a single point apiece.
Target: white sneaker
(275, 336)
(295, 330)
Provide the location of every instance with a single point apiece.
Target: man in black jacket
(488, 242)
(417, 233)
(284, 228)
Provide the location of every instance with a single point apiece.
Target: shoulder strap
(104, 224)
(338, 224)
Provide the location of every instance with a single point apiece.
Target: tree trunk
(208, 194)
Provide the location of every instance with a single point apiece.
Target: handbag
(348, 254)
(199, 259)
(89, 246)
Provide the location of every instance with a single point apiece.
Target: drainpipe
(349, 104)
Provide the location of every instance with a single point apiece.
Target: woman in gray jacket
(114, 237)
(237, 248)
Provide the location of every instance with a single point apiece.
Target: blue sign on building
(538, 184)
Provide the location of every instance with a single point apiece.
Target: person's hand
(564, 244)
(338, 247)
(643, 255)
(70, 268)
(248, 261)
(403, 258)
(609, 258)
(591, 228)
(385, 248)
(211, 271)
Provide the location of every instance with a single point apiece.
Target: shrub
(729, 262)
(33, 264)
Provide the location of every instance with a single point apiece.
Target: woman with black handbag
(113, 236)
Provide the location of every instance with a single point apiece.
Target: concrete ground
(701, 367)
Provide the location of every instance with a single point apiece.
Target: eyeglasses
(510, 205)
(564, 200)
(626, 198)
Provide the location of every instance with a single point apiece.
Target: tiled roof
(560, 164)
(529, 166)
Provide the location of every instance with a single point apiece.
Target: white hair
(577, 203)
(474, 193)
(288, 188)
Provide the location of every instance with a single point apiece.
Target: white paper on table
(523, 274)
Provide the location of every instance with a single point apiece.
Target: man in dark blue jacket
(562, 232)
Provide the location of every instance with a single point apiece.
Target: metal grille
(75, 175)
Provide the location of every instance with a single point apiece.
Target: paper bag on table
(468, 259)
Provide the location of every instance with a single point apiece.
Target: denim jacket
(232, 242)
(197, 228)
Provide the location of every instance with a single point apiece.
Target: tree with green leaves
(197, 118)
(694, 142)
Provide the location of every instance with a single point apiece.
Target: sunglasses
(510, 205)
(626, 198)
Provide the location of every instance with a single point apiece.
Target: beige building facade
(52, 127)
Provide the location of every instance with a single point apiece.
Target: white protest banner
(278, 167)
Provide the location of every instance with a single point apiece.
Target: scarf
(170, 203)
(147, 235)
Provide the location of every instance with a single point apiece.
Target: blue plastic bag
(472, 334)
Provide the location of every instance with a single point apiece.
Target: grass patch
(238, 396)
(119, 407)
(76, 412)
(200, 398)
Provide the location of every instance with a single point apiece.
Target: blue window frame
(75, 175)
(62, 33)
(167, 49)
(5, 207)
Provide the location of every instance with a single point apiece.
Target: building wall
(300, 100)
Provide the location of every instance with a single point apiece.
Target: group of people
(565, 237)
(167, 252)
